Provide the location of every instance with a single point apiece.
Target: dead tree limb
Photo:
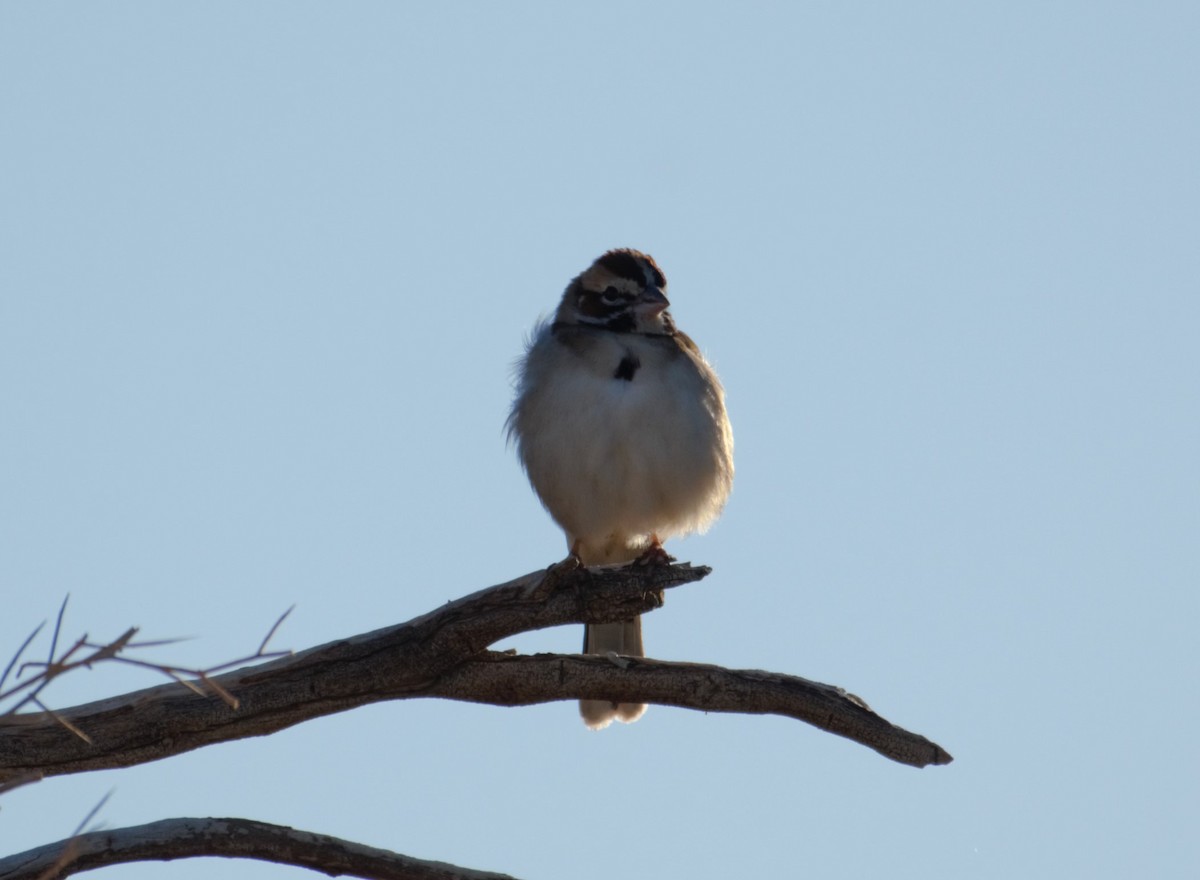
(518, 680)
(443, 654)
(231, 838)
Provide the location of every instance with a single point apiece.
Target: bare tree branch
(443, 654)
(516, 680)
(28, 689)
(231, 838)
(16, 781)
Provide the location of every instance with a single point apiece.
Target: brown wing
(685, 342)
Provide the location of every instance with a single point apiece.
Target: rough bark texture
(515, 680)
(444, 654)
(230, 838)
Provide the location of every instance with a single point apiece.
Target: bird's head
(623, 291)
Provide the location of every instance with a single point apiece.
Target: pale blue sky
(264, 269)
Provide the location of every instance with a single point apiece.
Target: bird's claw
(654, 555)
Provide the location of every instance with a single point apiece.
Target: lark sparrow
(620, 424)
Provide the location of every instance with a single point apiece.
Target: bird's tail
(618, 638)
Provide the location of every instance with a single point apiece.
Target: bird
(620, 425)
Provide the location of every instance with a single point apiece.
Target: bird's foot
(654, 554)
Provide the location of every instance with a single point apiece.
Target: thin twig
(63, 721)
(60, 664)
(17, 657)
(230, 700)
(113, 648)
(41, 681)
(158, 643)
(230, 664)
(62, 609)
(271, 632)
(71, 848)
(183, 681)
(91, 814)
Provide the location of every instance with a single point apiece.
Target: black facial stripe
(622, 322)
(593, 305)
(628, 366)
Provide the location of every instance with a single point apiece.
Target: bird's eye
(612, 296)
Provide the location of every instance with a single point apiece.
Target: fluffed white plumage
(620, 424)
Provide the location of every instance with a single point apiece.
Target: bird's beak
(652, 302)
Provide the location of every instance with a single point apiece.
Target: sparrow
(620, 424)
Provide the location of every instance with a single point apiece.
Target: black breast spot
(628, 366)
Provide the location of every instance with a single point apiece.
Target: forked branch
(444, 654)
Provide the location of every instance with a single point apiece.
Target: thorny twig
(17, 656)
(28, 690)
(83, 825)
(271, 632)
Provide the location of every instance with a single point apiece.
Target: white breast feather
(622, 459)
